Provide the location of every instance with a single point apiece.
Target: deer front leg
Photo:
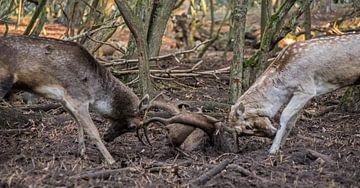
(80, 111)
(288, 119)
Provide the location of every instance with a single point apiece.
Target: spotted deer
(66, 72)
(300, 72)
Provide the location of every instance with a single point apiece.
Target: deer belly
(51, 92)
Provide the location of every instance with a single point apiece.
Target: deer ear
(144, 103)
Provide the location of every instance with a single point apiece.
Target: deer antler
(197, 120)
(176, 115)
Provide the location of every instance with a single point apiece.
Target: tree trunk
(307, 21)
(37, 13)
(236, 69)
(266, 9)
(139, 32)
(160, 14)
(275, 31)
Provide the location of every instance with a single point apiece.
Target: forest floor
(323, 149)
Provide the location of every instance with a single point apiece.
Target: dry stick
(157, 58)
(45, 107)
(316, 154)
(104, 174)
(178, 73)
(92, 31)
(15, 131)
(246, 172)
(121, 50)
(211, 173)
(166, 71)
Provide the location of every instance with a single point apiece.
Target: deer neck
(266, 96)
(114, 99)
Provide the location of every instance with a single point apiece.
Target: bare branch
(157, 58)
(121, 50)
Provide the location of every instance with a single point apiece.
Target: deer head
(250, 124)
(130, 124)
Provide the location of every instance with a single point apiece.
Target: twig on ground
(177, 73)
(104, 174)
(246, 172)
(44, 107)
(211, 173)
(320, 112)
(316, 154)
(15, 131)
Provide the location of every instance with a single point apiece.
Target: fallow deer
(66, 72)
(300, 72)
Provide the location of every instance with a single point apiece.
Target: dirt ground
(323, 149)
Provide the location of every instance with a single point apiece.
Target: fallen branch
(320, 112)
(315, 154)
(177, 73)
(45, 107)
(93, 31)
(15, 131)
(121, 50)
(103, 174)
(157, 58)
(246, 172)
(211, 173)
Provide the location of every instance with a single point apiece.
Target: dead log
(203, 179)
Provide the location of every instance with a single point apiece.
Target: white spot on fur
(103, 107)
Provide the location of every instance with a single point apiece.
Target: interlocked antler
(177, 115)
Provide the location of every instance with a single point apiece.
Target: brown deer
(66, 72)
(300, 72)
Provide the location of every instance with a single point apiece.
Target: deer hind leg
(288, 119)
(80, 111)
(6, 82)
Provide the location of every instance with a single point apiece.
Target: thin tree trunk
(307, 22)
(40, 25)
(238, 27)
(20, 12)
(276, 30)
(160, 14)
(137, 29)
(37, 13)
(266, 11)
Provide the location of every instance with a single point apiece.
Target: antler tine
(146, 136)
(155, 103)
